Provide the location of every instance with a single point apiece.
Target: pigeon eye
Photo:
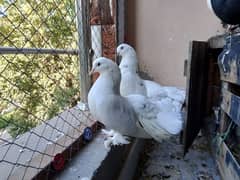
(98, 64)
(121, 47)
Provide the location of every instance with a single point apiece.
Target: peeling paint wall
(160, 30)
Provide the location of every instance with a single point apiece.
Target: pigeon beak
(92, 72)
(119, 58)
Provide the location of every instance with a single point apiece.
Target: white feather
(159, 124)
(114, 138)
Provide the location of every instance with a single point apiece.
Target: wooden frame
(230, 111)
(227, 164)
(196, 90)
(199, 55)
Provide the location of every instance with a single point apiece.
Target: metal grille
(39, 80)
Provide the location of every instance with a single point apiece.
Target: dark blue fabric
(227, 10)
(230, 55)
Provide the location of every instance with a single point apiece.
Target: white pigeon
(125, 115)
(128, 68)
(131, 83)
(107, 106)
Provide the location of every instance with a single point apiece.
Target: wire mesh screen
(39, 80)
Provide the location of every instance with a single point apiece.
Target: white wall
(160, 30)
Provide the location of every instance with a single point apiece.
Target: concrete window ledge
(95, 162)
(31, 153)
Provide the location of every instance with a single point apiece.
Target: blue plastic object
(87, 134)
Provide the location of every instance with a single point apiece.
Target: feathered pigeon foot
(114, 138)
(109, 133)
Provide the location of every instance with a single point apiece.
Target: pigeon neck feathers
(129, 63)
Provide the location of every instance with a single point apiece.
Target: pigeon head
(102, 65)
(107, 69)
(128, 58)
(124, 50)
